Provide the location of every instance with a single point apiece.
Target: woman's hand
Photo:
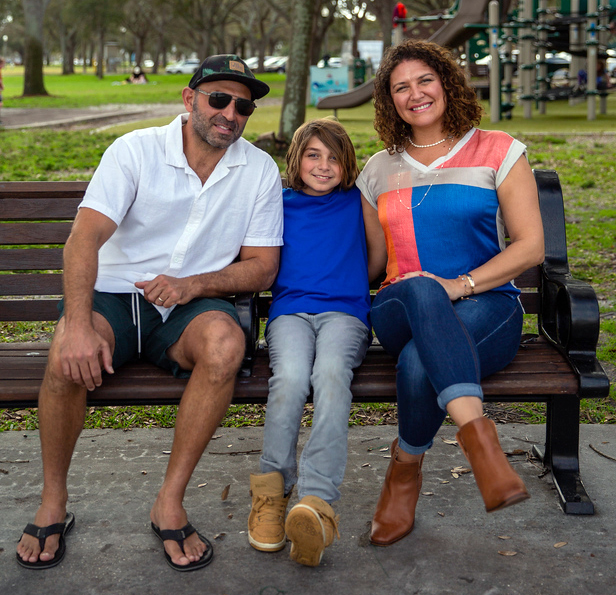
(454, 287)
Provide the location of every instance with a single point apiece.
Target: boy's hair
(335, 138)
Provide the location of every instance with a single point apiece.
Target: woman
(435, 205)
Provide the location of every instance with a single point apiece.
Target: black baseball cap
(228, 67)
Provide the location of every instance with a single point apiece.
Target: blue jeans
(443, 348)
(319, 350)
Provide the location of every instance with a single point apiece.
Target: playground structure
(528, 28)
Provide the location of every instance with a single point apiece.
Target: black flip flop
(180, 535)
(42, 533)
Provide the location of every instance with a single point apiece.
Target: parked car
(560, 78)
(183, 67)
(276, 64)
(334, 62)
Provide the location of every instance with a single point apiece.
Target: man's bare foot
(168, 517)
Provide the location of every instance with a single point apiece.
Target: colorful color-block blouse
(445, 217)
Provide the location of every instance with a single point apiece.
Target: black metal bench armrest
(246, 306)
(569, 319)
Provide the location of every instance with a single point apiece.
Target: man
(152, 250)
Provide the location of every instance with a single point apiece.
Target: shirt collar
(174, 146)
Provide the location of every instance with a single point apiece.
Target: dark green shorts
(120, 310)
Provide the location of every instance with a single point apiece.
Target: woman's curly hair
(462, 109)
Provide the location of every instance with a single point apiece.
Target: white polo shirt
(168, 221)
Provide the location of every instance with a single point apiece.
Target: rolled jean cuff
(455, 391)
(413, 450)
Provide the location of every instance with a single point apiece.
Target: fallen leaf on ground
(428, 493)
(202, 485)
(225, 492)
(504, 537)
(452, 442)
(507, 553)
(366, 465)
(560, 544)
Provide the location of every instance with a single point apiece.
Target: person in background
(137, 77)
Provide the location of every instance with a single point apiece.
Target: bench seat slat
(374, 380)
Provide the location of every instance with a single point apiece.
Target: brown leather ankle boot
(395, 511)
(498, 483)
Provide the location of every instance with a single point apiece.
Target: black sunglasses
(218, 100)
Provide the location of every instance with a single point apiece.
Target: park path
(90, 117)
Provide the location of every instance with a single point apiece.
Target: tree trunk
(298, 70)
(34, 11)
(101, 55)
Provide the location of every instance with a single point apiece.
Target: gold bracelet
(471, 282)
(464, 279)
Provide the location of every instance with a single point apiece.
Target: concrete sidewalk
(456, 548)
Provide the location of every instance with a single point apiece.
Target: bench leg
(562, 442)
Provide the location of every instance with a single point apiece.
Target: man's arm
(255, 271)
(81, 348)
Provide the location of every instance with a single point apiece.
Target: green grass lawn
(582, 152)
(84, 90)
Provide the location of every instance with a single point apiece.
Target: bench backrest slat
(34, 233)
(43, 189)
(31, 284)
(25, 259)
(38, 209)
(29, 310)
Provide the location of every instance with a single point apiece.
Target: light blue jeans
(318, 350)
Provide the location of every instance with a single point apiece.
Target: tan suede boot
(499, 484)
(269, 505)
(310, 527)
(394, 517)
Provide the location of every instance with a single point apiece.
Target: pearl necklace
(438, 142)
(431, 184)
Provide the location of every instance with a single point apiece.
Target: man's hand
(82, 351)
(167, 291)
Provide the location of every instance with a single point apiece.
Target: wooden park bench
(557, 366)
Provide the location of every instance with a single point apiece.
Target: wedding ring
(161, 300)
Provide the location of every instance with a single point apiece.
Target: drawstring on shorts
(137, 320)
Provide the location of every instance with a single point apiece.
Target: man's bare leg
(61, 413)
(213, 347)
